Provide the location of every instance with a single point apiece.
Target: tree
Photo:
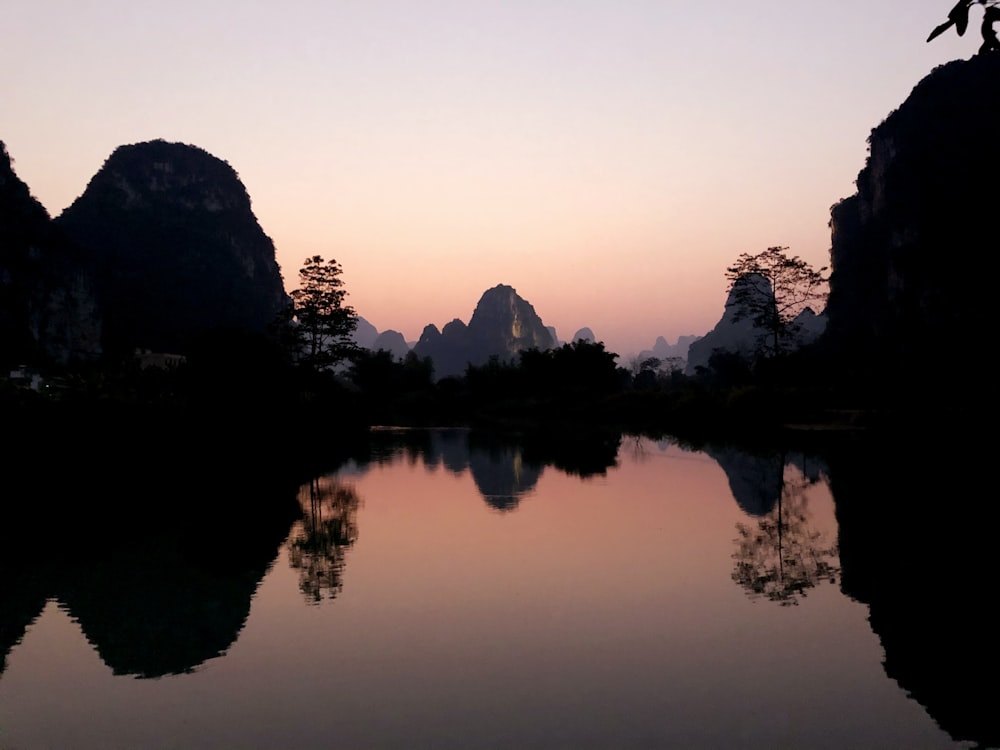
(958, 17)
(771, 288)
(323, 321)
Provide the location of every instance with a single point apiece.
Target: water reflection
(918, 541)
(781, 555)
(160, 579)
(653, 619)
(318, 543)
(505, 468)
(151, 610)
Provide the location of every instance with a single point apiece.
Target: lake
(447, 589)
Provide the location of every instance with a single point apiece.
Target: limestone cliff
(910, 247)
(502, 325)
(738, 333)
(48, 311)
(735, 332)
(176, 248)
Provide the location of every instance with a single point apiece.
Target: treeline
(252, 383)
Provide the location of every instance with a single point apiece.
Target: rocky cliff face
(737, 333)
(176, 248)
(733, 333)
(908, 249)
(48, 309)
(502, 325)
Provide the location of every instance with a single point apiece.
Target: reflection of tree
(780, 557)
(317, 544)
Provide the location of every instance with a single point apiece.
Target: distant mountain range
(163, 246)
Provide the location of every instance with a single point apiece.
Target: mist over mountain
(365, 334)
(174, 246)
(501, 325)
(670, 353)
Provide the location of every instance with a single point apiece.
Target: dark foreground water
(453, 591)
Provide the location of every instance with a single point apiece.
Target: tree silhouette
(771, 288)
(324, 322)
(958, 17)
(317, 545)
(781, 557)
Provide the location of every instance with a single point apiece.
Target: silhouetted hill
(731, 334)
(502, 325)
(47, 304)
(740, 335)
(910, 245)
(392, 342)
(665, 351)
(365, 334)
(175, 246)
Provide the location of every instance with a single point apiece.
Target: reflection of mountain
(504, 469)
(755, 480)
(503, 476)
(22, 598)
(150, 611)
(918, 546)
(159, 567)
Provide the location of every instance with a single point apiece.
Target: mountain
(368, 336)
(667, 352)
(908, 248)
(392, 342)
(501, 325)
(365, 334)
(737, 333)
(175, 248)
(48, 307)
(584, 334)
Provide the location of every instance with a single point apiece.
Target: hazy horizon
(609, 161)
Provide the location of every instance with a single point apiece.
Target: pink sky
(607, 159)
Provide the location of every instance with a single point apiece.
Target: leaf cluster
(771, 288)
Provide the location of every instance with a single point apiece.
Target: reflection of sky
(601, 614)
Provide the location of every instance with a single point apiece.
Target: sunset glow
(607, 160)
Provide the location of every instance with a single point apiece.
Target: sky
(609, 159)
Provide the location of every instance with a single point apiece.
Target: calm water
(455, 592)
